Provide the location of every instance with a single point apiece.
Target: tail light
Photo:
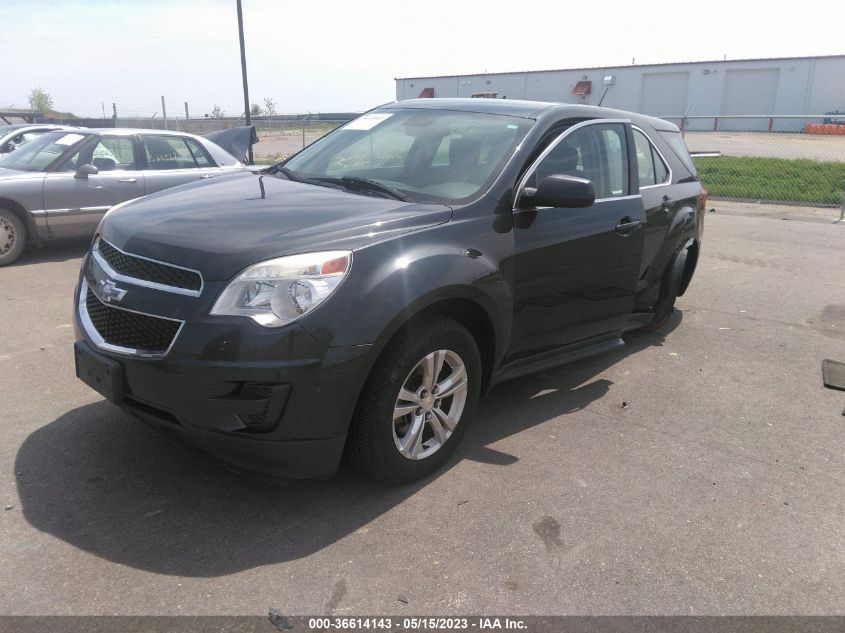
(704, 196)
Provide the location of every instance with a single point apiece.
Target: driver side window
(111, 153)
(597, 152)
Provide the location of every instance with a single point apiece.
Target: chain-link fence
(278, 136)
(781, 159)
(797, 160)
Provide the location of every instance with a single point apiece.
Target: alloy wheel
(430, 404)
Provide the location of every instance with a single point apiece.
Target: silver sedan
(61, 183)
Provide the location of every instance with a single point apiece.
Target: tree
(217, 112)
(269, 107)
(40, 101)
(255, 109)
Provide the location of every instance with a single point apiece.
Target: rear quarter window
(676, 142)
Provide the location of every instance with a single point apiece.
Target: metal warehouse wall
(806, 85)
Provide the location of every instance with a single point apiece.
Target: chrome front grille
(125, 331)
(143, 271)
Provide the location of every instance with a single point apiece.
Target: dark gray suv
(364, 293)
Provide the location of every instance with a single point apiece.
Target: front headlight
(281, 290)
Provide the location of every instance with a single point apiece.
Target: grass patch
(777, 179)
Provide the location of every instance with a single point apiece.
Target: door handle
(130, 180)
(626, 225)
(667, 202)
(207, 176)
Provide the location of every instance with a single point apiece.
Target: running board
(534, 365)
(638, 320)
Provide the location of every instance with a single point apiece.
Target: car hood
(223, 226)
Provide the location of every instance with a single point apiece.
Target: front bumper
(275, 402)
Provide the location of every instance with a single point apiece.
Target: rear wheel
(669, 288)
(416, 404)
(12, 237)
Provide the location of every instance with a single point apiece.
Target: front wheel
(418, 399)
(12, 237)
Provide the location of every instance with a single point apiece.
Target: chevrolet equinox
(363, 294)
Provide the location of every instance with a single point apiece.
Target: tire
(669, 288)
(394, 435)
(12, 237)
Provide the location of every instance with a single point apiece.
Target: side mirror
(559, 191)
(83, 171)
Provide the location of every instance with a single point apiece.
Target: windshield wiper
(293, 176)
(349, 182)
(365, 184)
(287, 173)
(375, 185)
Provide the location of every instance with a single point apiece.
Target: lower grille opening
(131, 330)
(150, 411)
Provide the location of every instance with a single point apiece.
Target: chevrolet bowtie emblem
(110, 292)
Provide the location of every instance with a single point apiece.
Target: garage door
(664, 94)
(749, 92)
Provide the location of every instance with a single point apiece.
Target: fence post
(771, 121)
(304, 116)
(715, 124)
(163, 112)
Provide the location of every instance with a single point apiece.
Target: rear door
(175, 160)
(655, 180)
(74, 205)
(575, 270)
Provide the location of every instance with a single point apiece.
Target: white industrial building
(776, 86)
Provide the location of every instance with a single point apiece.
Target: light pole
(243, 70)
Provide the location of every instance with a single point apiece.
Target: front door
(75, 205)
(575, 270)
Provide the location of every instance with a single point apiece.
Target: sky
(338, 56)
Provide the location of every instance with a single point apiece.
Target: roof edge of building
(618, 66)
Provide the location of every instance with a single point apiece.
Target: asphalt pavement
(699, 470)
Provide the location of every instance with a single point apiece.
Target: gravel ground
(770, 145)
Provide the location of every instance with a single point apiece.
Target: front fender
(390, 282)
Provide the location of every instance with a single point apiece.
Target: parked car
(13, 136)
(366, 291)
(61, 183)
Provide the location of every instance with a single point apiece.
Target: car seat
(104, 164)
(463, 158)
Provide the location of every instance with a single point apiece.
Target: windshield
(41, 152)
(428, 155)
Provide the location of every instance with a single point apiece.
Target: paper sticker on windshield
(367, 121)
(69, 139)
